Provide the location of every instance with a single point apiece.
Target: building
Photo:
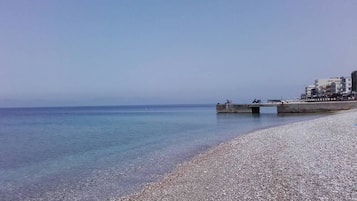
(346, 85)
(354, 81)
(329, 86)
(310, 91)
(334, 87)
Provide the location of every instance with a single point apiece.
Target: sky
(110, 52)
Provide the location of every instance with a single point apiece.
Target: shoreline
(314, 159)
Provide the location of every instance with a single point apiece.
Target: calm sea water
(96, 153)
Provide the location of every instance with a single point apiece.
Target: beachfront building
(329, 86)
(310, 91)
(346, 85)
(341, 88)
(354, 81)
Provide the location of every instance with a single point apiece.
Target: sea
(101, 153)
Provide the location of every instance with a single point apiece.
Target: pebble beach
(309, 160)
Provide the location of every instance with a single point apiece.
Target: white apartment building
(346, 85)
(328, 86)
(309, 90)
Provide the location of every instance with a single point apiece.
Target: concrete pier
(288, 107)
(314, 107)
(242, 108)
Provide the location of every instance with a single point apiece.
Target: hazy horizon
(83, 53)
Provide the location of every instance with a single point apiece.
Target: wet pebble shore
(310, 160)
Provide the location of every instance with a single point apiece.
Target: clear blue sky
(91, 52)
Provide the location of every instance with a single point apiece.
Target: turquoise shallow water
(96, 153)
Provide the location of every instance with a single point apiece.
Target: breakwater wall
(233, 108)
(314, 107)
(288, 107)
